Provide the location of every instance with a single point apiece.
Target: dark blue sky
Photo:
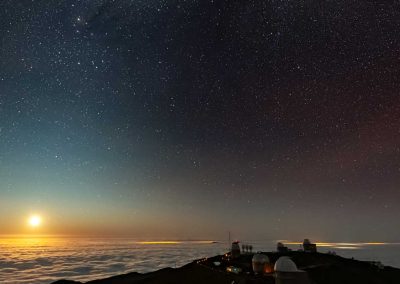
(186, 119)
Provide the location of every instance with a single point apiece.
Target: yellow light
(173, 242)
(34, 221)
(159, 243)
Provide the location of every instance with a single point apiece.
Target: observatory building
(261, 264)
(286, 272)
(308, 246)
(235, 250)
(280, 247)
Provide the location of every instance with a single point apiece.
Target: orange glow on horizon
(172, 242)
(159, 243)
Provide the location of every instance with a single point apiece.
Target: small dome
(285, 264)
(261, 258)
(306, 242)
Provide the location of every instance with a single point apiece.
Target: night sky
(186, 119)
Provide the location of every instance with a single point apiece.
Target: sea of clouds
(38, 261)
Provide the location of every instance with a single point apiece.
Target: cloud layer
(37, 261)
(90, 259)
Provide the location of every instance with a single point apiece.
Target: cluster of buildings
(284, 270)
(307, 246)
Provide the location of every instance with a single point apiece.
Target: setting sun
(34, 221)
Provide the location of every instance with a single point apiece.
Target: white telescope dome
(285, 264)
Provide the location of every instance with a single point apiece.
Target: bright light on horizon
(34, 221)
(172, 242)
(159, 242)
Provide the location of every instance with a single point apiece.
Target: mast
(229, 241)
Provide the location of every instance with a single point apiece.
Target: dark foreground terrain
(321, 269)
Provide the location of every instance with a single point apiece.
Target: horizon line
(154, 240)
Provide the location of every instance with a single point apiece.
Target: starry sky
(188, 119)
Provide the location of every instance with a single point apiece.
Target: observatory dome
(285, 264)
(260, 262)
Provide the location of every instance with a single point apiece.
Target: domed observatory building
(261, 264)
(308, 246)
(235, 250)
(280, 247)
(286, 272)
